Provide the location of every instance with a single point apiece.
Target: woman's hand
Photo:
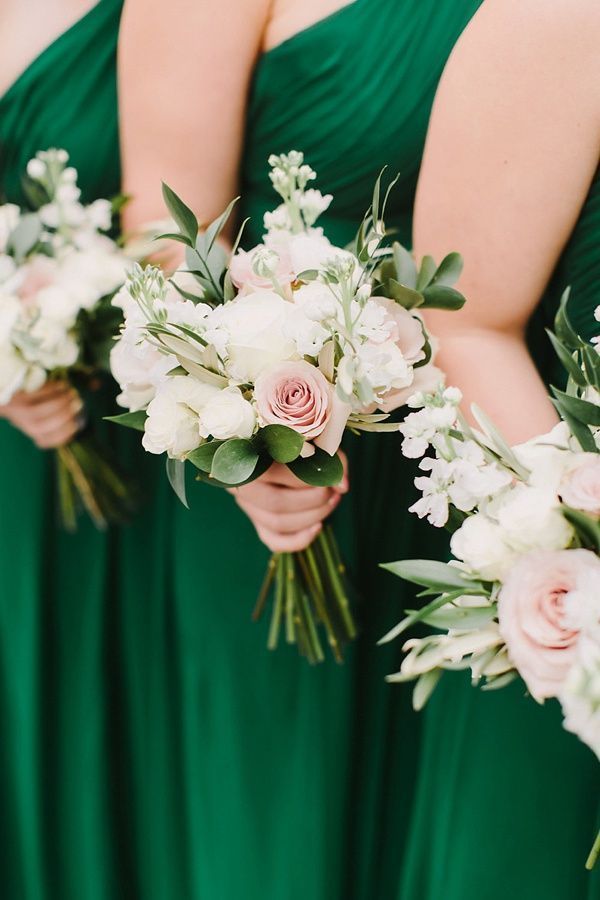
(288, 514)
(51, 416)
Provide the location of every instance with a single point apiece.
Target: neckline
(56, 42)
(310, 29)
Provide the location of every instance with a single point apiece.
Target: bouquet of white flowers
(269, 355)
(58, 273)
(522, 595)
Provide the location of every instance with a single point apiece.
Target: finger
(281, 499)
(344, 486)
(58, 408)
(289, 523)
(57, 425)
(288, 543)
(57, 437)
(49, 391)
(282, 475)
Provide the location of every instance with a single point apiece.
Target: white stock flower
(227, 415)
(420, 428)
(173, 423)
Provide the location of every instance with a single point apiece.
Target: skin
(183, 105)
(50, 416)
(512, 149)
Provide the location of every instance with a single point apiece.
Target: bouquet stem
(87, 478)
(310, 590)
(594, 854)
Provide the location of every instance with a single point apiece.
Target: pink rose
(580, 487)
(246, 279)
(533, 607)
(294, 394)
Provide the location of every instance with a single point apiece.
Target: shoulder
(528, 49)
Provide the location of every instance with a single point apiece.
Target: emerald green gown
(269, 779)
(507, 804)
(151, 746)
(63, 824)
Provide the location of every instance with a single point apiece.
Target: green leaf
(281, 443)
(562, 324)
(579, 431)
(439, 296)
(431, 573)
(319, 470)
(591, 362)
(264, 463)
(418, 616)
(215, 228)
(587, 528)
(234, 462)
(176, 476)
(425, 687)
(571, 365)
(25, 236)
(184, 217)
(203, 457)
(403, 295)
(171, 236)
(426, 272)
(135, 420)
(461, 617)
(582, 410)
(449, 270)
(406, 269)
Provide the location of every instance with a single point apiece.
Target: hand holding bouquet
(269, 355)
(522, 596)
(58, 272)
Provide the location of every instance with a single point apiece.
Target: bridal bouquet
(58, 273)
(269, 355)
(522, 594)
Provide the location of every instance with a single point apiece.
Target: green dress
(63, 771)
(268, 779)
(507, 801)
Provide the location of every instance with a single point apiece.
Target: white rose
(251, 332)
(139, 368)
(480, 544)
(530, 519)
(9, 219)
(173, 423)
(227, 415)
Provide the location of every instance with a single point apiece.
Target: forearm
(495, 371)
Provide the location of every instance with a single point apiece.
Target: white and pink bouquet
(59, 270)
(522, 595)
(270, 354)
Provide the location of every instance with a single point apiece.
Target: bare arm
(512, 149)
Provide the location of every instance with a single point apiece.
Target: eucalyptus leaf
(281, 443)
(403, 295)
(135, 420)
(406, 269)
(202, 457)
(464, 618)
(176, 476)
(319, 470)
(234, 462)
(182, 215)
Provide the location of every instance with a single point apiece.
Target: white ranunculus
(479, 544)
(173, 423)
(306, 251)
(250, 332)
(530, 519)
(9, 219)
(227, 415)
